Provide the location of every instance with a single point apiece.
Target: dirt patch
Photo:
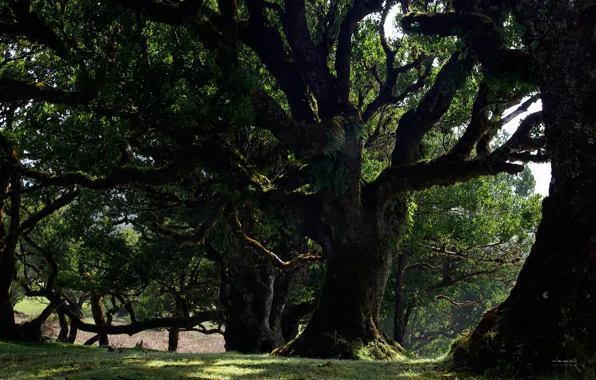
(189, 341)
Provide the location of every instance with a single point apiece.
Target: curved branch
(360, 9)
(461, 278)
(519, 110)
(65, 199)
(457, 304)
(308, 59)
(119, 176)
(133, 328)
(272, 257)
(439, 172)
(201, 230)
(483, 37)
(520, 140)
(414, 125)
(13, 90)
(27, 23)
(269, 46)
(477, 127)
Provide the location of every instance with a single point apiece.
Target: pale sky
(541, 171)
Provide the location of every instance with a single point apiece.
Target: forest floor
(62, 361)
(50, 360)
(199, 356)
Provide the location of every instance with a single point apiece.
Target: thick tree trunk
(256, 306)
(7, 322)
(550, 315)
(345, 324)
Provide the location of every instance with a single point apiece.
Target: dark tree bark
(63, 333)
(399, 320)
(346, 322)
(99, 318)
(76, 308)
(293, 316)
(550, 314)
(256, 302)
(173, 336)
(174, 331)
(346, 319)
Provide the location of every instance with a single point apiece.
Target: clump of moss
(382, 349)
(459, 350)
(329, 346)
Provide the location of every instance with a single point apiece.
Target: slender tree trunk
(72, 334)
(174, 331)
(99, 316)
(399, 326)
(77, 307)
(63, 334)
(550, 315)
(173, 336)
(8, 245)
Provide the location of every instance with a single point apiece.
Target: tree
(464, 251)
(256, 292)
(17, 226)
(315, 89)
(549, 315)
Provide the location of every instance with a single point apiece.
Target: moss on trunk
(548, 322)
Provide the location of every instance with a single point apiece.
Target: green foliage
(36, 361)
(484, 226)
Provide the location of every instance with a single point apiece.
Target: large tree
(164, 84)
(548, 321)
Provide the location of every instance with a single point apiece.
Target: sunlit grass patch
(59, 361)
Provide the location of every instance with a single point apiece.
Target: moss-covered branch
(482, 36)
(439, 172)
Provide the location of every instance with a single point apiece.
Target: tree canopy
(237, 147)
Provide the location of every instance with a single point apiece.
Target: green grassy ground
(32, 306)
(59, 361)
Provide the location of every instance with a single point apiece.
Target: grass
(59, 361)
(32, 306)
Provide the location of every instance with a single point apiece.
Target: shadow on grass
(61, 361)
